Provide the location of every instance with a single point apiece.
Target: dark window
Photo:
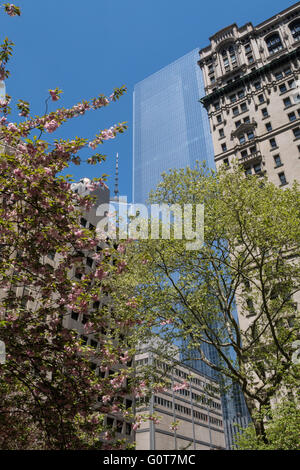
(219, 118)
(288, 71)
(237, 124)
(282, 178)
(244, 153)
(250, 59)
(242, 139)
(221, 132)
(253, 149)
(243, 107)
(217, 106)
(292, 116)
(274, 43)
(212, 79)
(257, 85)
(265, 112)
(277, 160)
(246, 120)
(74, 315)
(250, 135)
(248, 171)
(94, 343)
(241, 94)
(226, 161)
(269, 126)
(84, 319)
(89, 261)
(224, 147)
(84, 339)
(250, 307)
(297, 132)
(235, 111)
(292, 84)
(282, 88)
(287, 102)
(261, 98)
(278, 75)
(295, 29)
(247, 48)
(273, 143)
(83, 221)
(232, 98)
(257, 168)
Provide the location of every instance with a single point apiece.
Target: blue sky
(88, 48)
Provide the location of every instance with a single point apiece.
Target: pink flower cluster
(12, 10)
(51, 126)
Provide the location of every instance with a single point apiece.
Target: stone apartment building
(197, 408)
(251, 76)
(252, 86)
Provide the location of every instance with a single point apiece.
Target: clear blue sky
(88, 48)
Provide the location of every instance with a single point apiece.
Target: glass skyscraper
(171, 128)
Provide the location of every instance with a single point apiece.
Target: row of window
(120, 426)
(188, 411)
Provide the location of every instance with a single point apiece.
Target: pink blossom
(12, 127)
(121, 248)
(54, 95)
(51, 126)
(100, 274)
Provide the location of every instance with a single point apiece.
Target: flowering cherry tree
(50, 397)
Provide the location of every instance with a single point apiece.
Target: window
(297, 132)
(217, 106)
(83, 221)
(241, 94)
(237, 124)
(282, 88)
(221, 132)
(212, 79)
(261, 98)
(277, 160)
(282, 178)
(243, 107)
(273, 143)
(250, 135)
(247, 120)
(257, 168)
(242, 139)
(94, 343)
(292, 84)
(84, 339)
(210, 68)
(287, 102)
(89, 261)
(219, 118)
(224, 147)
(235, 111)
(226, 161)
(292, 116)
(244, 154)
(287, 71)
(278, 75)
(257, 85)
(269, 127)
(274, 43)
(74, 315)
(253, 149)
(295, 29)
(232, 98)
(265, 112)
(248, 171)
(247, 48)
(250, 59)
(250, 307)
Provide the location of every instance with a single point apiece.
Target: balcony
(254, 157)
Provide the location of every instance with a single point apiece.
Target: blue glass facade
(171, 128)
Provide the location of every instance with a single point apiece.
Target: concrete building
(252, 95)
(192, 401)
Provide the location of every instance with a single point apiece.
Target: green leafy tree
(250, 256)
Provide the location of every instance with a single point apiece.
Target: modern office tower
(252, 95)
(192, 401)
(170, 127)
(171, 130)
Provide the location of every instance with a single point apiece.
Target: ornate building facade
(251, 76)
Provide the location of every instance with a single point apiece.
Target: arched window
(295, 29)
(228, 56)
(274, 43)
